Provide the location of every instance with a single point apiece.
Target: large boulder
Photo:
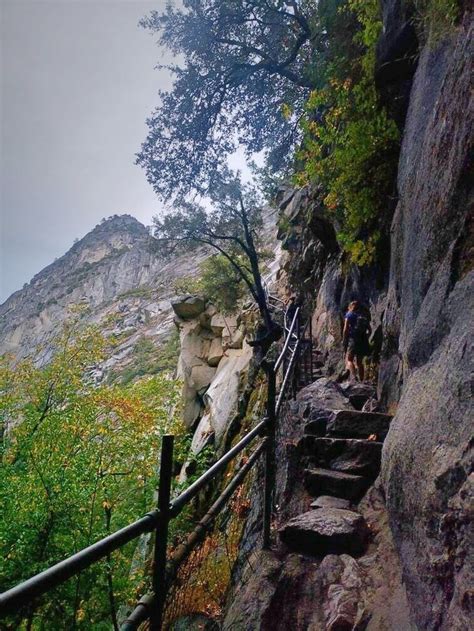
(188, 307)
(320, 396)
(326, 530)
(355, 424)
(223, 393)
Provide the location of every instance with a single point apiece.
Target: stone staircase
(339, 455)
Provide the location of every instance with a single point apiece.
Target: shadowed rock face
(428, 454)
(396, 57)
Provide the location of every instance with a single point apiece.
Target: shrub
(350, 144)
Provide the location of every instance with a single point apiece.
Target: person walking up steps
(356, 339)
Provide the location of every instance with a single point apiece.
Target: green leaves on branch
(350, 145)
(242, 61)
(78, 461)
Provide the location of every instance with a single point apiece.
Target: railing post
(269, 456)
(161, 534)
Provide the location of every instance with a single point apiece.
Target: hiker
(356, 339)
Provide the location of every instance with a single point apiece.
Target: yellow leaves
(331, 201)
(107, 505)
(286, 111)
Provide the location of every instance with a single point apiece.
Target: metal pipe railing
(14, 598)
(186, 496)
(287, 340)
(152, 605)
(158, 520)
(204, 524)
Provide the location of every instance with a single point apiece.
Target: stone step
(355, 424)
(350, 455)
(326, 482)
(318, 425)
(358, 393)
(328, 501)
(326, 531)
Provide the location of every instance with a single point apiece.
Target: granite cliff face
(420, 309)
(428, 457)
(122, 285)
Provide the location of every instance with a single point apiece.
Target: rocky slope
(120, 284)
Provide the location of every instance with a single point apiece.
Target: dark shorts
(357, 348)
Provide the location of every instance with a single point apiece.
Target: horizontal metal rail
(145, 605)
(186, 496)
(14, 598)
(140, 613)
(284, 384)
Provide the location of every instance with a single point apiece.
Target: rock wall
(316, 271)
(427, 463)
(421, 313)
(213, 360)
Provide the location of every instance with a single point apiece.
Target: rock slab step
(326, 531)
(354, 424)
(327, 482)
(349, 455)
(328, 501)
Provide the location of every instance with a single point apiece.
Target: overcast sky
(77, 83)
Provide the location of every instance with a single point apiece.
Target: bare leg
(350, 365)
(360, 368)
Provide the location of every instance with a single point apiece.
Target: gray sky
(77, 83)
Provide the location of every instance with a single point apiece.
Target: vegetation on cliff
(78, 461)
(294, 80)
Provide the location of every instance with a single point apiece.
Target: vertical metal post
(269, 457)
(161, 534)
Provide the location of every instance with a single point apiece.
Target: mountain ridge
(122, 283)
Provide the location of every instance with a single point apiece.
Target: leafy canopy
(247, 67)
(233, 226)
(78, 461)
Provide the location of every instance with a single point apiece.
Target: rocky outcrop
(213, 360)
(428, 455)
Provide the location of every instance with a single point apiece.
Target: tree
(248, 66)
(233, 227)
(78, 461)
(221, 283)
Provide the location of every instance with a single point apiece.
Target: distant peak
(120, 221)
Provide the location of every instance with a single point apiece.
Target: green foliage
(77, 461)
(138, 292)
(436, 18)
(237, 63)
(149, 358)
(232, 227)
(188, 285)
(350, 144)
(221, 283)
